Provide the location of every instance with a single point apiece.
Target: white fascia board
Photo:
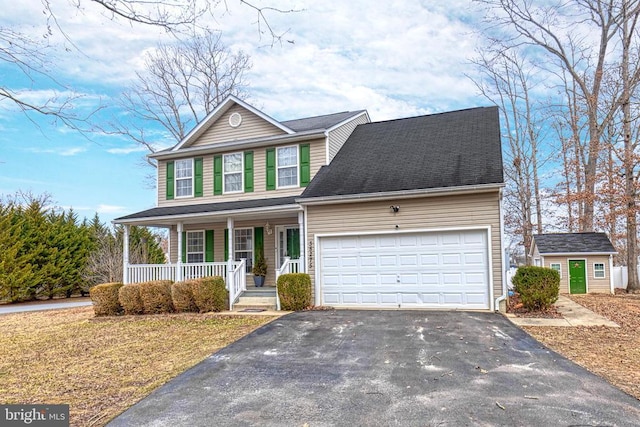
(246, 143)
(576, 254)
(345, 121)
(218, 111)
(405, 194)
(166, 219)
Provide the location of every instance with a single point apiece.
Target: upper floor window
(598, 270)
(287, 166)
(232, 172)
(184, 178)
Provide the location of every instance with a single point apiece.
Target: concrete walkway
(45, 305)
(574, 315)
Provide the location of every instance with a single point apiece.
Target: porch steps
(258, 298)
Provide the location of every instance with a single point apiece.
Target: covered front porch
(222, 242)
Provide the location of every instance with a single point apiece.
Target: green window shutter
(293, 243)
(169, 180)
(271, 168)
(226, 244)
(217, 175)
(258, 236)
(208, 246)
(305, 165)
(184, 246)
(197, 177)
(248, 171)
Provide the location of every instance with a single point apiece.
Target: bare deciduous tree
(181, 84)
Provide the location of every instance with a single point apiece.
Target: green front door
(577, 276)
(293, 243)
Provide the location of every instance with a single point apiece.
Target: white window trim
(604, 270)
(224, 174)
(559, 270)
(253, 245)
(175, 179)
(297, 184)
(204, 244)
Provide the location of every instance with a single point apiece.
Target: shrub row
(538, 286)
(162, 296)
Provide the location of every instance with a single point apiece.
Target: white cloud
(66, 152)
(127, 150)
(110, 209)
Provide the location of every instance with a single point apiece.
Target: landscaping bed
(612, 353)
(101, 366)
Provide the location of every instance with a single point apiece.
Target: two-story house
(401, 213)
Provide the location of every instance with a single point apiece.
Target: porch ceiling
(163, 216)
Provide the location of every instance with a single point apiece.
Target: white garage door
(430, 270)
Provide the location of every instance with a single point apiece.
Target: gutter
(363, 197)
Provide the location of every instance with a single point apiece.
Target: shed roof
(567, 243)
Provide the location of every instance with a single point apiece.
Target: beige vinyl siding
(594, 285)
(252, 126)
(218, 241)
(338, 136)
(317, 157)
(428, 213)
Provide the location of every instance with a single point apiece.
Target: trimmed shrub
(210, 294)
(294, 291)
(129, 297)
(105, 299)
(156, 296)
(182, 297)
(538, 287)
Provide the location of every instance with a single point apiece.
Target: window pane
(233, 182)
(195, 258)
(195, 246)
(183, 187)
(598, 271)
(233, 162)
(287, 156)
(183, 168)
(287, 177)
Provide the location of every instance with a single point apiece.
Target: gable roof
(324, 122)
(454, 149)
(566, 243)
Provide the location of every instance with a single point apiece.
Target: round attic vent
(235, 119)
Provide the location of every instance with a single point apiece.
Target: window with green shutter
(271, 168)
(305, 165)
(169, 181)
(217, 175)
(248, 171)
(197, 169)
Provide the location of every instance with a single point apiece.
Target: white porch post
(231, 252)
(302, 261)
(125, 256)
(180, 229)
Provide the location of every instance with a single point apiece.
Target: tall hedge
(538, 287)
(294, 291)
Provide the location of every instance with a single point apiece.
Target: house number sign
(310, 253)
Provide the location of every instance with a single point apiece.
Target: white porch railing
(138, 273)
(237, 282)
(288, 266)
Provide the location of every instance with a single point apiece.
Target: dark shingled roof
(208, 207)
(573, 243)
(319, 122)
(440, 150)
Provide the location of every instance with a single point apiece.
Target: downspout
(611, 284)
(504, 271)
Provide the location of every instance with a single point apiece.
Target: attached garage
(444, 269)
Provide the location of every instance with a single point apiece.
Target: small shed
(584, 260)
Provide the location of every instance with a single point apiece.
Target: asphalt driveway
(382, 368)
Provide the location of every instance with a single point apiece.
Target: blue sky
(396, 59)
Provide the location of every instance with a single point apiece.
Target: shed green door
(577, 276)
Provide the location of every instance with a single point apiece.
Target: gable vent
(235, 119)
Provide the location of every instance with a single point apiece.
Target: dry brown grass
(612, 353)
(101, 366)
